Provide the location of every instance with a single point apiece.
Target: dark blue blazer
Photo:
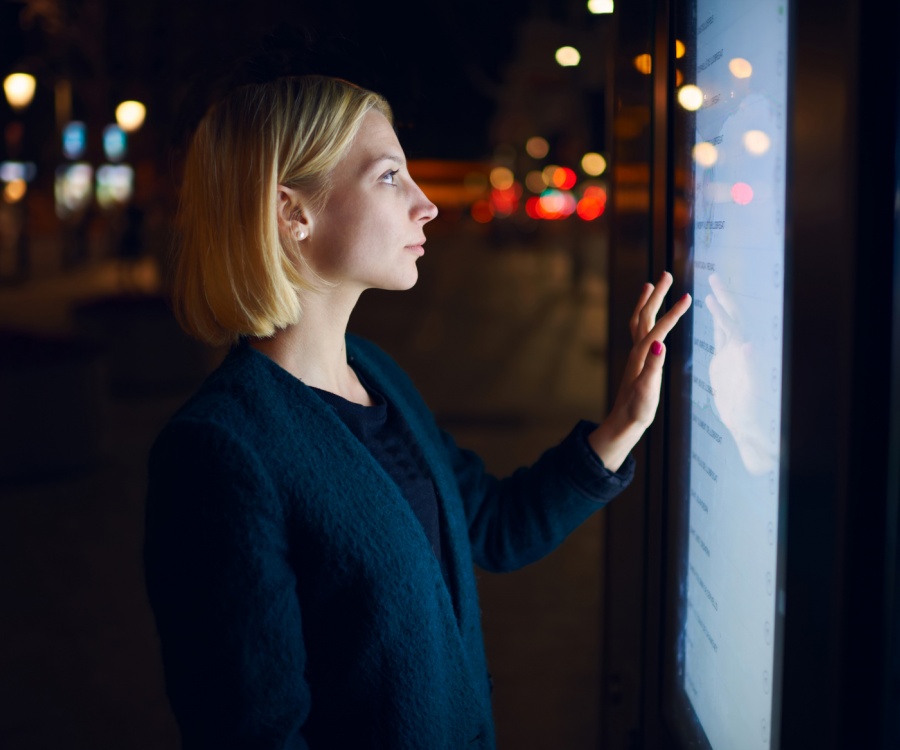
(297, 598)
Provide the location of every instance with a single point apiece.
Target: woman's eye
(391, 177)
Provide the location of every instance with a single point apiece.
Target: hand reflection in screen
(735, 385)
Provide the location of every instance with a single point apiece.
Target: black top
(385, 434)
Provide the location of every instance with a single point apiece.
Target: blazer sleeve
(223, 594)
(517, 520)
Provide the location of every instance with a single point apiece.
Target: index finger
(667, 322)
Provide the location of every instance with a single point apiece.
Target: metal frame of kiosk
(839, 526)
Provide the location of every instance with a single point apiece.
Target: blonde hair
(234, 274)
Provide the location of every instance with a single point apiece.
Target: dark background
(505, 333)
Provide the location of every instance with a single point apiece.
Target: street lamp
(130, 115)
(19, 90)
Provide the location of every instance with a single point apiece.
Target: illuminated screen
(731, 606)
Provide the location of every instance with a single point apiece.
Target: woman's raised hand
(638, 397)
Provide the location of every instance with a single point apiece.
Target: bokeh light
(564, 178)
(115, 142)
(502, 178)
(568, 56)
(73, 188)
(740, 68)
(130, 115)
(705, 154)
(534, 181)
(547, 174)
(756, 142)
(115, 184)
(506, 202)
(74, 140)
(644, 64)
(679, 49)
(14, 191)
(593, 164)
(537, 147)
(19, 89)
(690, 97)
(601, 6)
(482, 211)
(742, 193)
(592, 203)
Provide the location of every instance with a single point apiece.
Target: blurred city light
(73, 188)
(556, 204)
(742, 193)
(74, 140)
(568, 56)
(482, 212)
(679, 78)
(115, 184)
(690, 97)
(19, 89)
(679, 49)
(537, 147)
(502, 178)
(593, 164)
(17, 170)
(14, 191)
(547, 174)
(705, 154)
(564, 178)
(600, 6)
(534, 181)
(740, 68)
(644, 64)
(756, 142)
(506, 202)
(130, 115)
(115, 142)
(590, 208)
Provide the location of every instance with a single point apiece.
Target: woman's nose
(424, 210)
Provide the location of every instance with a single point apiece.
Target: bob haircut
(235, 275)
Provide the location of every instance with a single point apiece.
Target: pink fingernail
(656, 348)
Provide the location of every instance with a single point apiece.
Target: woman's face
(370, 232)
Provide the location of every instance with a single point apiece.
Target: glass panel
(733, 132)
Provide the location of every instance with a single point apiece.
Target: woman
(310, 531)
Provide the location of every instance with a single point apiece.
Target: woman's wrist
(614, 439)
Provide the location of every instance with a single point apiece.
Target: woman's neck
(314, 349)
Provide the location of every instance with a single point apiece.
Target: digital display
(731, 600)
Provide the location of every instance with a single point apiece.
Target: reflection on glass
(740, 68)
(736, 383)
(690, 97)
(644, 64)
(756, 142)
(705, 154)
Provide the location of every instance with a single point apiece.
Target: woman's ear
(293, 219)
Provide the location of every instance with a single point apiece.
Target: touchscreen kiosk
(730, 603)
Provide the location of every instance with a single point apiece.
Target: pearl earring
(301, 235)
